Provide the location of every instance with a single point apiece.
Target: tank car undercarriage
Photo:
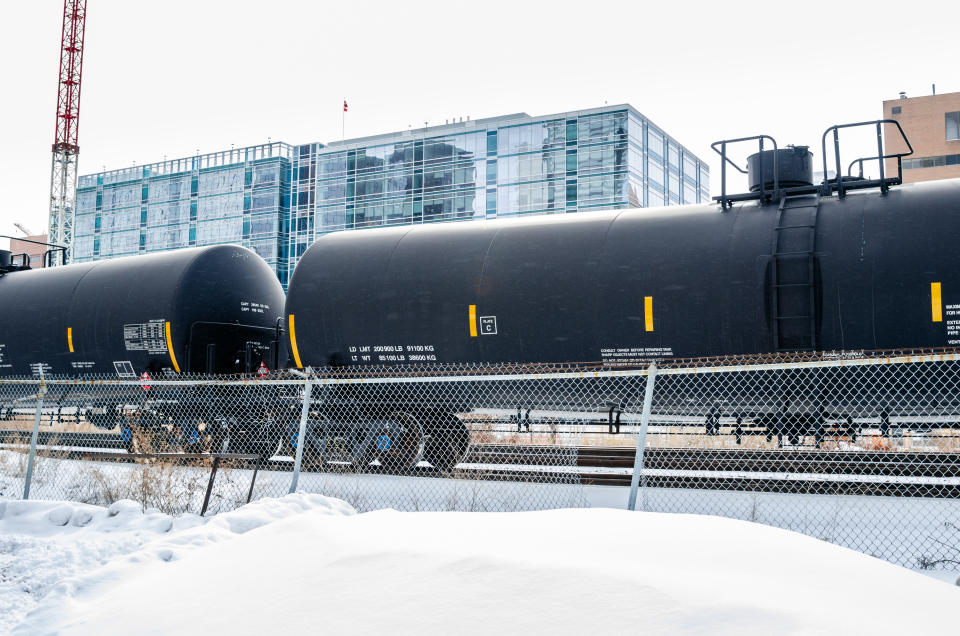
(262, 420)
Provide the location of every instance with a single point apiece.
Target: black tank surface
(190, 310)
(868, 271)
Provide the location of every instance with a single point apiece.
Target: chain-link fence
(863, 451)
(409, 443)
(860, 451)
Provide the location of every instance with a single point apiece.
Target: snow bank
(41, 542)
(304, 563)
(49, 548)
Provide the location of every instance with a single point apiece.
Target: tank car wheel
(447, 441)
(398, 444)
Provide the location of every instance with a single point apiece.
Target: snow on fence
(862, 450)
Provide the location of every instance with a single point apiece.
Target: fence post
(302, 434)
(213, 478)
(642, 437)
(41, 391)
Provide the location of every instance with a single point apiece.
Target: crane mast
(63, 172)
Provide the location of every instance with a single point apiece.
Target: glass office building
(235, 196)
(277, 199)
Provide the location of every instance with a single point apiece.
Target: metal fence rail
(861, 450)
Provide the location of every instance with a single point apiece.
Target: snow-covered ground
(55, 546)
(308, 564)
(904, 530)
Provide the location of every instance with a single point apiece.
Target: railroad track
(880, 473)
(888, 463)
(860, 472)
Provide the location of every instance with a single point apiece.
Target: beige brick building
(32, 249)
(932, 124)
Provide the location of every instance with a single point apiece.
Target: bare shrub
(168, 486)
(950, 558)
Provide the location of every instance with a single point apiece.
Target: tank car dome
(794, 168)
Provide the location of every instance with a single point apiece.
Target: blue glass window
(654, 142)
(492, 143)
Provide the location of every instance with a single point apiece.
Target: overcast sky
(169, 78)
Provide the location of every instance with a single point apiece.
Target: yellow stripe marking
(473, 321)
(70, 338)
(293, 343)
(648, 312)
(173, 357)
(936, 305)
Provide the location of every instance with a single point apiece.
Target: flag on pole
(344, 105)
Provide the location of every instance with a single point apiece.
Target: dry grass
(174, 486)
(163, 485)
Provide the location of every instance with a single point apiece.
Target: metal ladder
(794, 294)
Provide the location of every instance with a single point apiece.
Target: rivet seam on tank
(173, 357)
(473, 321)
(936, 304)
(293, 343)
(648, 312)
(70, 338)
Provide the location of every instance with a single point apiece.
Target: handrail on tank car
(24, 259)
(725, 201)
(883, 182)
(47, 260)
(48, 255)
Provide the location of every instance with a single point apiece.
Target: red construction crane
(63, 173)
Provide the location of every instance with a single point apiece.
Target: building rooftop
(437, 129)
(285, 150)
